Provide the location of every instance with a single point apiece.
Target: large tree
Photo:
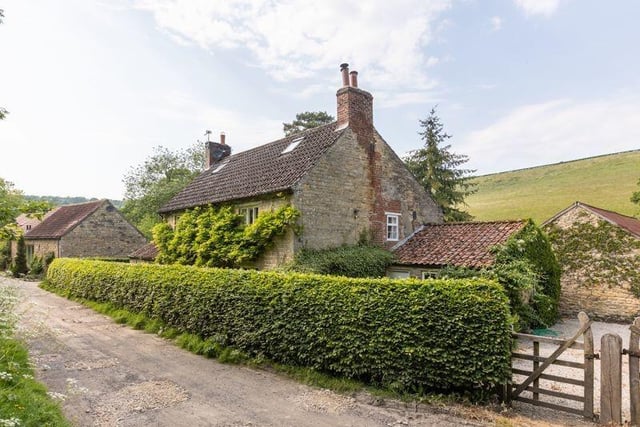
(152, 184)
(307, 120)
(438, 169)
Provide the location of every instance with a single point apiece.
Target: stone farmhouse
(343, 177)
(599, 252)
(458, 244)
(93, 229)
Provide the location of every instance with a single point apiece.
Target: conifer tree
(438, 169)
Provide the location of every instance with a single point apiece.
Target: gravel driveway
(112, 375)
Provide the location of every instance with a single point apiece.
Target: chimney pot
(354, 78)
(344, 68)
(222, 138)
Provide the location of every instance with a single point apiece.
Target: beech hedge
(410, 336)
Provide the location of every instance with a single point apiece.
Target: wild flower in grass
(9, 422)
(56, 396)
(27, 376)
(6, 376)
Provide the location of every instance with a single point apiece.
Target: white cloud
(538, 7)
(555, 131)
(496, 23)
(297, 39)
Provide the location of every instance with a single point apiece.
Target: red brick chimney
(355, 106)
(216, 151)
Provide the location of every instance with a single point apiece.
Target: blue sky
(93, 85)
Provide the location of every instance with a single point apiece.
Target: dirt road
(111, 375)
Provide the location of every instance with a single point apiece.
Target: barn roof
(63, 220)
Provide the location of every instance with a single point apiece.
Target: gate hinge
(631, 353)
(592, 356)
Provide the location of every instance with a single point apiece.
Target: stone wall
(104, 233)
(340, 202)
(333, 197)
(403, 194)
(43, 247)
(609, 300)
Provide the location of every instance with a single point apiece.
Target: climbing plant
(218, 237)
(528, 270)
(598, 253)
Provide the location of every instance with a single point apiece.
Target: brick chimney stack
(216, 151)
(355, 106)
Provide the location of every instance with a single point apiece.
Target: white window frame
(393, 224)
(250, 213)
(429, 274)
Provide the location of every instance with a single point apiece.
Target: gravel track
(111, 375)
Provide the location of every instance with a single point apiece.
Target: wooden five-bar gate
(611, 353)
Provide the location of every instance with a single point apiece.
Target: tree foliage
(19, 266)
(12, 204)
(152, 184)
(438, 169)
(307, 120)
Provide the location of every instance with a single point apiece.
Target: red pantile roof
(460, 244)
(63, 220)
(147, 252)
(261, 170)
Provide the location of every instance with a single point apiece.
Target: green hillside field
(540, 192)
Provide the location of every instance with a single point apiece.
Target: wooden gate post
(634, 372)
(611, 379)
(588, 365)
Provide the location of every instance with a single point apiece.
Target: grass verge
(23, 400)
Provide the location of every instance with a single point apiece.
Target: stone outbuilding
(456, 244)
(145, 254)
(599, 252)
(343, 177)
(93, 229)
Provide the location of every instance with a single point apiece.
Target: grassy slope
(606, 182)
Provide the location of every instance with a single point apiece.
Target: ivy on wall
(218, 237)
(595, 254)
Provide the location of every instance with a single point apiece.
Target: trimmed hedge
(408, 335)
(349, 261)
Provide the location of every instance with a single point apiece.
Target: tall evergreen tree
(19, 266)
(438, 169)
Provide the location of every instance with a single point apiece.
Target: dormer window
(219, 167)
(292, 145)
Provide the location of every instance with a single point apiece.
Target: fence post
(634, 372)
(611, 379)
(588, 366)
